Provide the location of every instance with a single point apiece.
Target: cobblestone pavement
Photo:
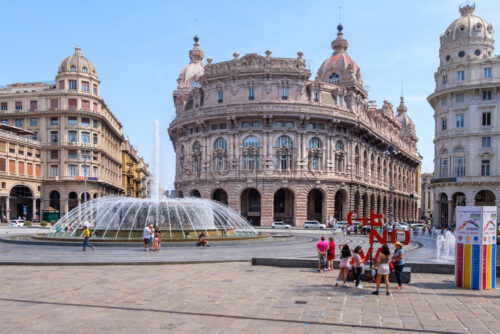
(230, 298)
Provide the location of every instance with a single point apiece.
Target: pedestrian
(321, 248)
(86, 236)
(151, 236)
(156, 240)
(345, 254)
(147, 241)
(358, 266)
(202, 241)
(382, 267)
(330, 253)
(399, 263)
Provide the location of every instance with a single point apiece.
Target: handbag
(391, 266)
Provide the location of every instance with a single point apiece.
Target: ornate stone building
(258, 134)
(79, 134)
(135, 172)
(466, 105)
(426, 197)
(20, 173)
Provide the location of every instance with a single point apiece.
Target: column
(7, 208)
(33, 214)
(450, 212)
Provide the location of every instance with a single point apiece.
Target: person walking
(86, 237)
(330, 253)
(345, 254)
(145, 234)
(321, 248)
(382, 268)
(358, 266)
(399, 263)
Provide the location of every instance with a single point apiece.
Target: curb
(133, 263)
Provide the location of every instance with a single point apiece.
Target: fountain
(124, 218)
(445, 247)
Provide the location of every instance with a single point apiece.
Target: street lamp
(390, 152)
(85, 174)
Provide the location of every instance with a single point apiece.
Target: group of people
(384, 263)
(152, 238)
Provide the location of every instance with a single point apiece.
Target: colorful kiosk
(475, 264)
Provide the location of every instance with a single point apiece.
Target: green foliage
(43, 223)
(27, 223)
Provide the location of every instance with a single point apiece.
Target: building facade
(20, 173)
(426, 197)
(135, 172)
(78, 133)
(259, 135)
(466, 105)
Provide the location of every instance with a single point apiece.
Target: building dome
(468, 36)
(191, 73)
(339, 66)
(403, 118)
(77, 63)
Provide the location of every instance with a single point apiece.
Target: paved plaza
(230, 298)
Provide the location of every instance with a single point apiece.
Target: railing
(12, 135)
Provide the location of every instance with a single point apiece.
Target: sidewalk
(231, 298)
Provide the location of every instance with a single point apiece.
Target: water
(445, 247)
(125, 218)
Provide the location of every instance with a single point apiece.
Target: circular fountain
(123, 219)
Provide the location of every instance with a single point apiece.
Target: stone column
(329, 203)
(266, 207)
(7, 207)
(33, 214)
(450, 212)
(300, 207)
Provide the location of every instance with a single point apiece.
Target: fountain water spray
(445, 247)
(156, 172)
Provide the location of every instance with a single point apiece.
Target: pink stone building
(258, 134)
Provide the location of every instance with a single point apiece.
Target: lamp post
(85, 178)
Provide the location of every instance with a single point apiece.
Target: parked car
(314, 224)
(280, 225)
(341, 224)
(401, 227)
(17, 223)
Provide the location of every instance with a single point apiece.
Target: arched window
(315, 142)
(458, 150)
(220, 143)
(339, 146)
(284, 152)
(196, 147)
(250, 141)
(284, 141)
(84, 69)
(72, 68)
(333, 78)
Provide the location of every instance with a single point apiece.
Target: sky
(139, 48)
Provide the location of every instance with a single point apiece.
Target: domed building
(466, 103)
(258, 134)
(77, 132)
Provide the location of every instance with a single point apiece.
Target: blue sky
(139, 48)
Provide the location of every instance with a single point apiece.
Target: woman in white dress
(383, 269)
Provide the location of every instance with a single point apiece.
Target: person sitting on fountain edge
(202, 241)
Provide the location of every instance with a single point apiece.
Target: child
(151, 237)
(358, 266)
(345, 254)
(157, 241)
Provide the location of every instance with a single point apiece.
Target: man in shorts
(322, 247)
(146, 234)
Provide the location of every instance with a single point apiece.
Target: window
(485, 142)
(460, 76)
(221, 97)
(250, 141)
(289, 125)
(444, 79)
(85, 137)
(54, 136)
(444, 123)
(486, 121)
(215, 126)
(487, 95)
(278, 124)
(444, 167)
(54, 104)
(54, 121)
(251, 95)
(94, 89)
(85, 170)
(61, 84)
(220, 143)
(284, 93)
(85, 121)
(284, 152)
(72, 121)
(19, 123)
(459, 98)
(72, 136)
(461, 54)
(72, 170)
(222, 126)
(339, 146)
(485, 168)
(3, 106)
(333, 78)
(95, 124)
(84, 70)
(459, 166)
(54, 154)
(72, 154)
(72, 84)
(284, 141)
(54, 170)
(72, 68)
(94, 107)
(315, 143)
(487, 72)
(94, 171)
(444, 101)
(85, 155)
(245, 125)
(34, 137)
(34, 122)
(33, 105)
(19, 105)
(316, 96)
(94, 138)
(85, 105)
(250, 158)
(4, 121)
(72, 103)
(459, 121)
(321, 126)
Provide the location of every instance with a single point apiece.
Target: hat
(397, 243)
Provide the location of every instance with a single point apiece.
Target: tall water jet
(445, 247)
(156, 172)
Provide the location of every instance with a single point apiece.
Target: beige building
(466, 105)
(426, 197)
(135, 172)
(257, 133)
(79, 134)
(20, 173)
